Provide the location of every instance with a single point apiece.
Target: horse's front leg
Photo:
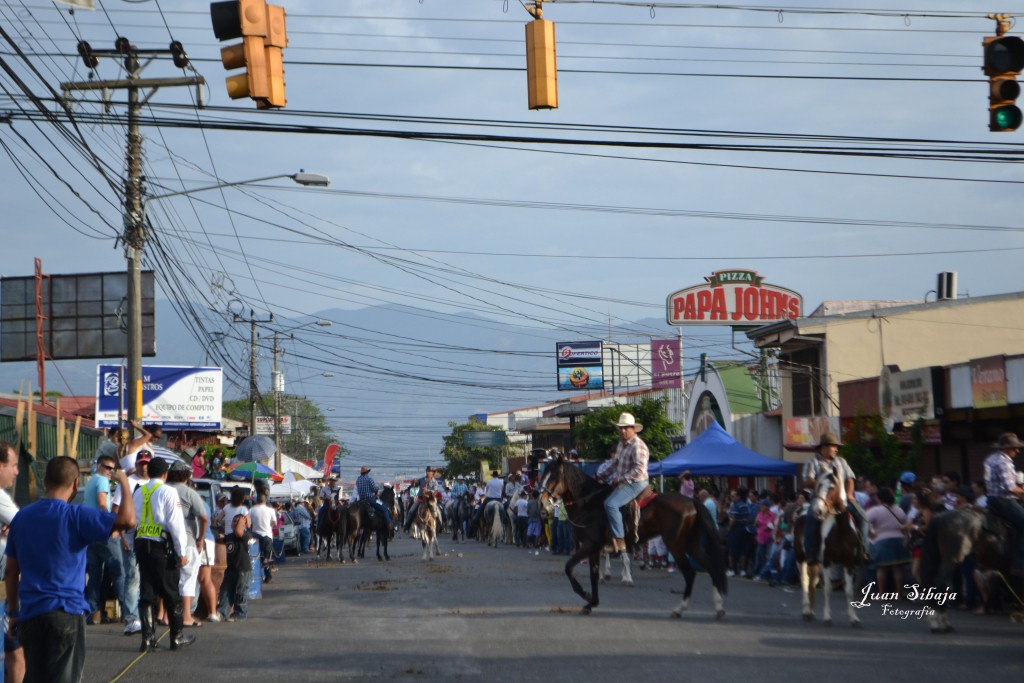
(826, 598)
(850, 609)
(570, 567)
(627, 571)
(606, 566)
(595, 579)
(686, 569)
(808, 583)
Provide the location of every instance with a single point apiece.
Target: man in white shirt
(161, 548)
(263, 519)
(14, 653)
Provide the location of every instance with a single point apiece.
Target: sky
(841, 153)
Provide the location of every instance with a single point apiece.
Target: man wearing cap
(425, 485)
(1003, 489)
(627, 472)
(828, 460)
(161, 547)
(367, 489)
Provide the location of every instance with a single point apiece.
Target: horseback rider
(1004, 491)
(627, 472)
(827, 461)
(494, 490)
(367, 489)
(330, 491)
(426, 485)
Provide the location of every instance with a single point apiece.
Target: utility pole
(278, 388)
(134, 237)
(253, 387)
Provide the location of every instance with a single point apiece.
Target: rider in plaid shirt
(627, 472)
(1003, 490)
(367, 489)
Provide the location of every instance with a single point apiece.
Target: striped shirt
(629, 463)
(1000, 475)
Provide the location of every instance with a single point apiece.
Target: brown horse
(685, 525)
(949, 538)
(328, 528)
(426, 522)
(841, 546)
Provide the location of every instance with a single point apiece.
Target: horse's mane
(579, 483)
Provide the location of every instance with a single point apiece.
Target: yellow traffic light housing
(1004, 59)
(262, 30)
(541, 67)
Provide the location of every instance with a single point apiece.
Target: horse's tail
(711, 542)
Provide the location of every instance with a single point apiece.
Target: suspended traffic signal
(541, 68)
(262, 30)
(1004, 59)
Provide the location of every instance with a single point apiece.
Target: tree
(597, 435)
(465, 460)
(874, 452)
(310, 434)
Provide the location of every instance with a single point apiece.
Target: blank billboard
(85, 316)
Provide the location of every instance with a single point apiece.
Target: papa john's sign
(733, 297)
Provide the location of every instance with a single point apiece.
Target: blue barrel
(279, 553)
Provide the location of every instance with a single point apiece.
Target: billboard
(579, 365)
(84, 316)
(483, 438)
(666, 364)
(733, 297)
(174, 397)
(988, 382)
(265, 424)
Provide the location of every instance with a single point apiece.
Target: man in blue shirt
(103, 559)
(367, 489)
(45, 578)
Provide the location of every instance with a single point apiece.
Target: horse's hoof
(720, 614)
(856, 624)
(808, 617)
(827, 622)
(677, 614)
(586, 610)
(627, 584)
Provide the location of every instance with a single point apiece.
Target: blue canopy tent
(715, 453)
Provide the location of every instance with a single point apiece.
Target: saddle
(646, 497)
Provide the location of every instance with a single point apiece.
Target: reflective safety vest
(147, 527)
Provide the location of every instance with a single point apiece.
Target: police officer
(161, 551)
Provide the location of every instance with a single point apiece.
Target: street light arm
(302, 178)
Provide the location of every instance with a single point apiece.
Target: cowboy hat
(829, 439)
(364, 470)
(1008, 440)
(627, 420)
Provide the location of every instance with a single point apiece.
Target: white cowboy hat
(627, 420)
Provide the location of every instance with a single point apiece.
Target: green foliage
(311, 435)
(873, 452)
(597, 435)
(466, 461)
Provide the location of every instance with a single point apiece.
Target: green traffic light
(1006, 119)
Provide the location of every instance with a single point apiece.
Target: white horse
(839, 546)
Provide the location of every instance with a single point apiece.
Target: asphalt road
(505, 615)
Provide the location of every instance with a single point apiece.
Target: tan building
(844, 341)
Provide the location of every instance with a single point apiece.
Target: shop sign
(733, 297)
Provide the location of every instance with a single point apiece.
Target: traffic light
(1004, 59)
(262, 30)
(541, 69)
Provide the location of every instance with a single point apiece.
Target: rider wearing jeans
(367, 489)
(828, 460)
(627, 472)
(1002, 488)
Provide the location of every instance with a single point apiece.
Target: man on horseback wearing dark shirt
(367, 489)
(627, 472)
(427, 485)
(828, 460)
(1004, 491)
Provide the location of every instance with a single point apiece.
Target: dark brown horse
(949, 538)
(371, 521)
(328, 528)
(841, 546)
(685, 525)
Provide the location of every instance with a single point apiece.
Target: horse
(328, 526)
(840, 546)
(495, 525)
(372, 521)
(459, 512)
(426, 523)
(389, 500)
(950, 537)
(685, 525)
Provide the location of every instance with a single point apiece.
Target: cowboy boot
(148, 628)
(178, 638)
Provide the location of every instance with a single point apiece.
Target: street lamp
(133, 254)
